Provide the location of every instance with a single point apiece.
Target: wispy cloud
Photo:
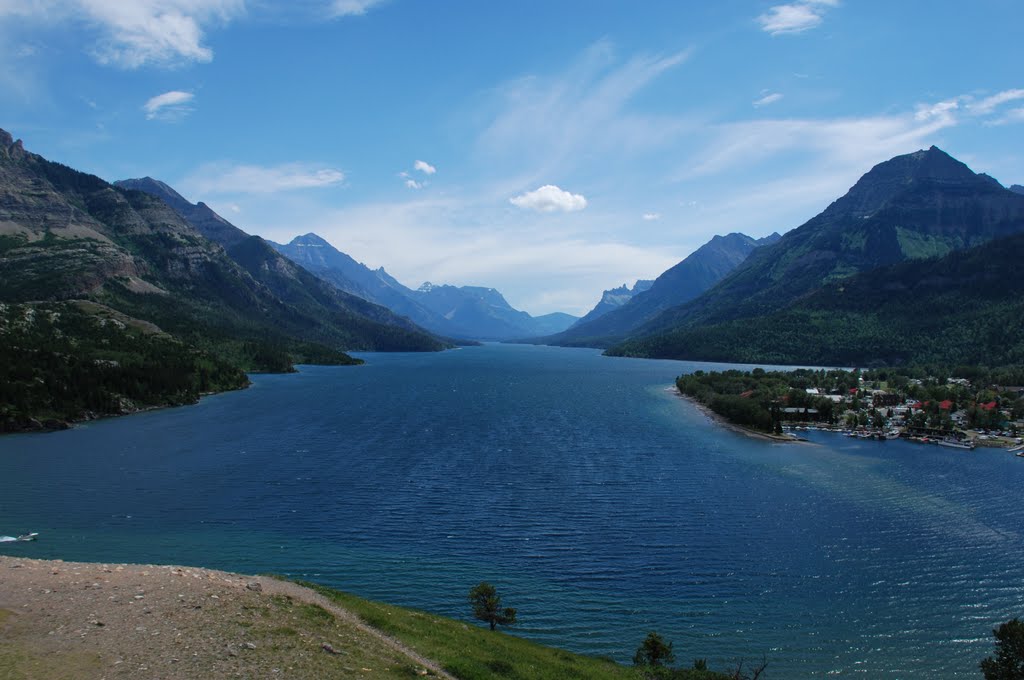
(990, 104)
(549, 198)
(228, 178)
(767, 99)
(413, 184)
(794, 17)
(848, 142)
(651, 217)
(169, 106)
(546, 122)
(135, 33)
(424, 167)
(344, 8)
(1011, 116)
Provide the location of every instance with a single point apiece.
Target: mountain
(286, 280)
(68, 235)
(702, 269)
(923, 204)
(1017, 189)
(376, 285)
(965, 308)
(615, 298)
(478, 312)
(469, 312)
(201, 216)
(899, 220)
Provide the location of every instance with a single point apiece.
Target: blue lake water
(600, 504)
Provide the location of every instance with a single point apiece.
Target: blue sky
(550, 149)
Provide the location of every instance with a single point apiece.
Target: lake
(600, 504)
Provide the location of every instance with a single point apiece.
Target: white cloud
(228, 178)
(413, 184)
(767, 99)
(424, 167)
(795, 17)
(1011, 116)
(172, 105)
(344, 8)
(549, 198)
(134, 33)
(651, 217)
(942, 111)
(540, 125)
(989, 104)
(853, 143)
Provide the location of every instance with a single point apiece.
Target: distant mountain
(289, 282)
(924, 204)
(702, 269)
(376, 285)
(913, 207)
(468, 312)
(1017, 189)
(201, 216)
(68, 235)
(483, 313)
(965, 308)
(615, 298)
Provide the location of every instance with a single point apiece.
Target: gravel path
(82, 620)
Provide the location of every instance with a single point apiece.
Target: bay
(601, 505)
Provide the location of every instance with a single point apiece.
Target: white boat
(1016, 449)
(957, 443)
(892, 434)
(23, 537)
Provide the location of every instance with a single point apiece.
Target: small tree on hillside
(1008, 663)
(654, 651)
(487, 606)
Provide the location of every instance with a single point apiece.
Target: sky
(547, 148)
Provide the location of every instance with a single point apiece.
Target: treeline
(754, 399)
(62, 362)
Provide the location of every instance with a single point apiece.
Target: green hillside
(964, 308)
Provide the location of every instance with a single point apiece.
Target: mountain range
(119, 297)
(470, 312)
(914, 215)
(702, 269)
(99, 273)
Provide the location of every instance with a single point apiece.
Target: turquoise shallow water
(602, 505)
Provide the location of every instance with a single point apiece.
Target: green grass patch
(471, 652)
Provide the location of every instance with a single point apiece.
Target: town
(921, 405)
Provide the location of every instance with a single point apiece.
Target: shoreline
(739, 429)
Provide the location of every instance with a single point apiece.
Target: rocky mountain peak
(11, 148)
(889, 179)
(309, 240)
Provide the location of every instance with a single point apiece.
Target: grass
(473, 653)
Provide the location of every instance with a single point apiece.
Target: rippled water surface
(600, 504)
